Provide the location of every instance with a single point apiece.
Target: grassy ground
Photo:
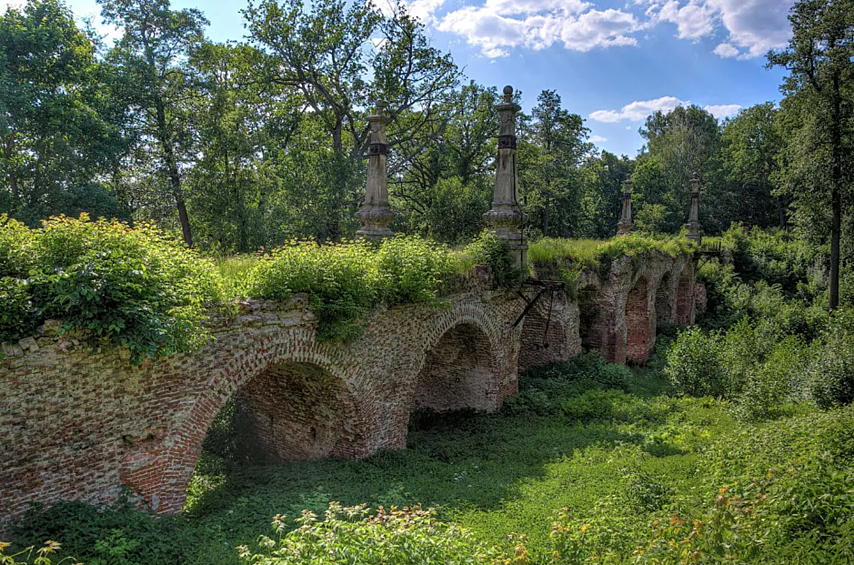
(566, 441)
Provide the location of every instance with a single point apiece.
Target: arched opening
(685, 298)
(544, 336)
(638, 333)
(664, 302)
(288, 412)
(458, 373)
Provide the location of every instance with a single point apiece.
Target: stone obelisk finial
(625, 226)
(693, 225)
(506, 217)
(376, 214)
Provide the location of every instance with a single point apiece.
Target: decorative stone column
(376, 214)
(506, 217)
(693, 225)
(625, 226)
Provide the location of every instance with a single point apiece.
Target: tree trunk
(546, 218)
(174, 175)
(835, 234)
(835, 190)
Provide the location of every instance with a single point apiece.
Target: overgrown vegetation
(767, 338)
(565, 259)
(130, 286)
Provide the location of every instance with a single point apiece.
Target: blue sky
(611, 62)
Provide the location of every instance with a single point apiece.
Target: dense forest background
(243, 145)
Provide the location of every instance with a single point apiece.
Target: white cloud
(726, 51)
(723, 110)
(637, 110)
(755, 25)
(499, 25)
(750, 27)
(692, 20)
(597, 139)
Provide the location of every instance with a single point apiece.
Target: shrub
(693, 365)
(117, 535)
(131, 286)
(413, 269)
(344, 281)
(341, 280)
(355, 535)
(830, 375)
(489, 250)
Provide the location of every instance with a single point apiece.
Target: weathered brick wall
(551, 331)
(620, 311)
(78, 424)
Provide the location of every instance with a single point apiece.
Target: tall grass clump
(345, 280)
(130, 286)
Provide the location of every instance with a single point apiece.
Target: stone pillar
(625, 226)
(506, 217)
(376, 214)
(693, 225)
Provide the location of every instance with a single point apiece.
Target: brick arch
(640, 325)
(665, 300)
(459, 362)
(275, 363)
(550, 332)
(685, 296)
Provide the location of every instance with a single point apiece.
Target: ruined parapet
(693, 225)
(376, 214)
(626, 226)
(505, 219)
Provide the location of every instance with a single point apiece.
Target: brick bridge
(80, 425)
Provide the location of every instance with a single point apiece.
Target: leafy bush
(413, 269)
(344, 281)
(693, 365)
(132, 286)
(355, 535)
(117, 535)
(830, 375)
(488, 249)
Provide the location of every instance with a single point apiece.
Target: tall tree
(54, 140)
(751, 144)
(320, 51)
(555, 147)
(820, 89)
(684, 141)
(153, 59)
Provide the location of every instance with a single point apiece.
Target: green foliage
(346, 280)
(118, 535)
(133, 287)
(31, 555)
(489, 250)
(830, 374)
(357, 535)
(693, 366)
